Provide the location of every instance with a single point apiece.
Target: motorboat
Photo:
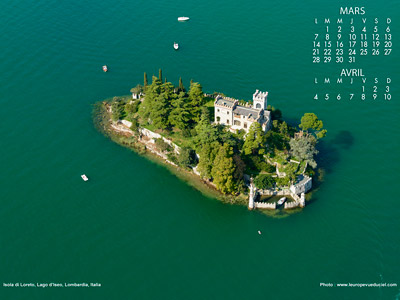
(280, 201)
(84, 177)
(105, 69)
(259, 232)
(176, 46)
(183, 18)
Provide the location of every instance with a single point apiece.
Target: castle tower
(302, 200)
(251, 194)
(260, 100)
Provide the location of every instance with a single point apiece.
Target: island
(240, 151)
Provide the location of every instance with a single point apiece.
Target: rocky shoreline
(143, 143)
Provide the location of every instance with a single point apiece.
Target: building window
(236, 122)
(258, 105)
(227, 112)
(218, 119)
(227, 121)
(218, 110)
(245, 125)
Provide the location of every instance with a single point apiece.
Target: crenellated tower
(260, 100)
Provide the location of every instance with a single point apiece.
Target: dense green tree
(152, 92)
(135, 125)
(160, 112)
(180, 113)
(186, 157)
(207, 155)
(255, 140)
(284, 129)
(304, 149)
(264, 181)
(223, 170)
(196, 98)
(276, 141)
(116, 109)
(227, 137)
(275, 125)
(310, 122)
(239, 167)
(131, 108)
(206, 133)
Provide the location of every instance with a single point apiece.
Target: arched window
(227, 121)
(258, 105)
(218, 119)
(236, 122)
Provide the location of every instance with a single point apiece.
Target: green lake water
(137, 229)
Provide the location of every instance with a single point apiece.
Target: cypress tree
(160, 74)
(165, 80)
(145, 79)
(181, 87)
(196, 98)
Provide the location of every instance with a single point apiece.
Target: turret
(260, 100)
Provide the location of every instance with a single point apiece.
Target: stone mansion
(228, 112)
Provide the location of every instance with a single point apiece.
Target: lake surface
(137, 229)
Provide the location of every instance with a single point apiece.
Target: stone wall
(264, 205)
(298, 201)
(272, 192)
(153, 135)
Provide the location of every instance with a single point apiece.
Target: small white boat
(183, 18)
(84, 177)
(280, 201)
(176, 46)
(259, 232)
(105, 69)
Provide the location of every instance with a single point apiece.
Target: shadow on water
(329, 155)
(344, 139)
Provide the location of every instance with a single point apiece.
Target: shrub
(269, 168)
(162, 145)
(193, 132)
(116, 108)
(282, 181)
(172, 158)
(264, 181)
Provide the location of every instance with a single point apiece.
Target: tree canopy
(223, 170)
(255, 140)
(304, 149)
(196, 98)
(180, 113)
(264, 181)
(310, 122)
